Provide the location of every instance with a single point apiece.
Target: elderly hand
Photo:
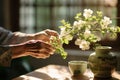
(34, 48)
(44, 35)
(36, 45)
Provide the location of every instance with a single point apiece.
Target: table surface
(58, 72)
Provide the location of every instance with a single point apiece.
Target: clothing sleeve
(5, 51)
(5, 35)
(5, 56)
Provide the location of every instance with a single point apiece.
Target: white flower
(78, 24)
(62, 32)
(105, 22)
(78, 41)
(65, 34)
(85, 45)
(75, 24)
(87, 33)
(87, 13)
(81, 22)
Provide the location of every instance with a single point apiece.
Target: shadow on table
(106, 78)
(83, 77)
(80, 77)
(35, 76)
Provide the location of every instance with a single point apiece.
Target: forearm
(19, 37)
(15, 38)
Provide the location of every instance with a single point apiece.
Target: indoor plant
(88, 28)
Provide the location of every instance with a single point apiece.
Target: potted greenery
(89, 27)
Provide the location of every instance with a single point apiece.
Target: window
(37, 15)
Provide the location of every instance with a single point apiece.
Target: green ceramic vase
(102, 62)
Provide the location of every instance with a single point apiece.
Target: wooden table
(58, 72)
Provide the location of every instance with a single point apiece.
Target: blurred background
(32, 16)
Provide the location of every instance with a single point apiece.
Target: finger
(51, 32)
(46, 51)
(33, 51)
(39, 45)
(40, 55)
(48, 48)
(43, 50)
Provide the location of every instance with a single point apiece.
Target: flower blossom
(62, 33)
(87, 33)
(78, 41)
(65, 34)
(105, 22)
(87, 13)
(85, 45)
(78, 24)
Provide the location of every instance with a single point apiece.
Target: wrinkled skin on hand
(23, 37)
(45, 35)
(34, 48)
(36, 45)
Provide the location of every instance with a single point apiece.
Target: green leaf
(66, 41)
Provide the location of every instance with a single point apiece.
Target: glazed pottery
(77, 67)
(102, 62)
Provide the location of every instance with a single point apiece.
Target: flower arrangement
(87, 28)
